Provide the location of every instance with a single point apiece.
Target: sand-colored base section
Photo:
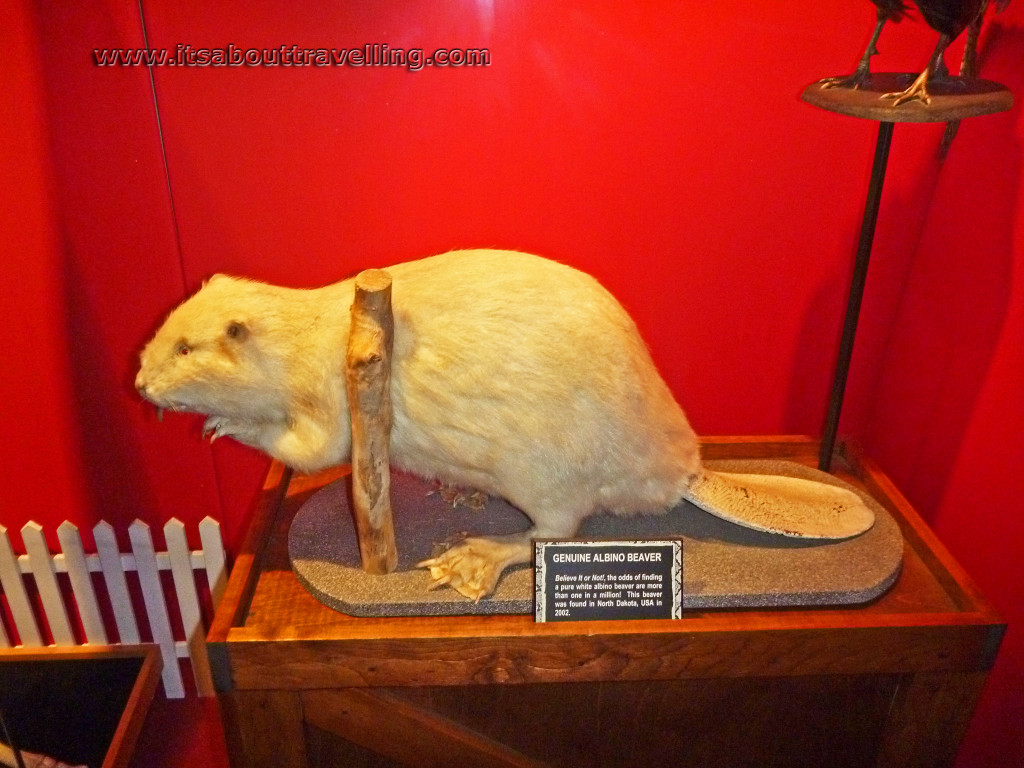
(790, 506)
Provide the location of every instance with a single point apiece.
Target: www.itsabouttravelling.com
(369, 55)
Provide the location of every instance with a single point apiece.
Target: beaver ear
(237, 331)
(214, 278)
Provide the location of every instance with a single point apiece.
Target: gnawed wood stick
(368, 379)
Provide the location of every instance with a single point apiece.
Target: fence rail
(116, 568)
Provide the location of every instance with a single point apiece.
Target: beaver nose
(140, 384)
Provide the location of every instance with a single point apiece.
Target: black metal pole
(860, 274)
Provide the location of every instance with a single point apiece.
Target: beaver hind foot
(473, 566)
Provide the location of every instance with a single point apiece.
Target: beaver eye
(237, 331)
(182, 349)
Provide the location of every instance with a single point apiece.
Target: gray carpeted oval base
(724, 565)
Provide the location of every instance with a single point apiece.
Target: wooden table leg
(264, 729)
(929, 717)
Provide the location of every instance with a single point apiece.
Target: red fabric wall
(662, 147)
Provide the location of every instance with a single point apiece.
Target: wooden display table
(893, 682)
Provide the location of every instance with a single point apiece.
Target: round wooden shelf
(952, 99)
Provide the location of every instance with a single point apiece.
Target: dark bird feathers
(949, 17)
(891, 10)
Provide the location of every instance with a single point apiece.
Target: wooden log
(368, 380)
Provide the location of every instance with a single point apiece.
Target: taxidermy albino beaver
(511, 374)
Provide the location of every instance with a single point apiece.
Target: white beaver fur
(511, 374)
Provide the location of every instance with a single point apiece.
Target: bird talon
(853, 82)
(902, 97)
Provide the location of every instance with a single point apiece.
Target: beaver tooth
(159, 413)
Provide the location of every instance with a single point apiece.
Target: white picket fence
(145, 563)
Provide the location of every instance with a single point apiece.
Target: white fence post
(213, 557)
(156, 608)
(188, 601)
(46, 581)
(117, 587)
(17, 597)
(81, 583)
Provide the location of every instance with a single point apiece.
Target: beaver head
(215, 353)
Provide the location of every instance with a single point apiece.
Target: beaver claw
(213, 427)
(220, 426)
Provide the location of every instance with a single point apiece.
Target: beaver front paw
(242, 431)
(471, 567)
(219, 426)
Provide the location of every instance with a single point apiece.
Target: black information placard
(602, 580)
